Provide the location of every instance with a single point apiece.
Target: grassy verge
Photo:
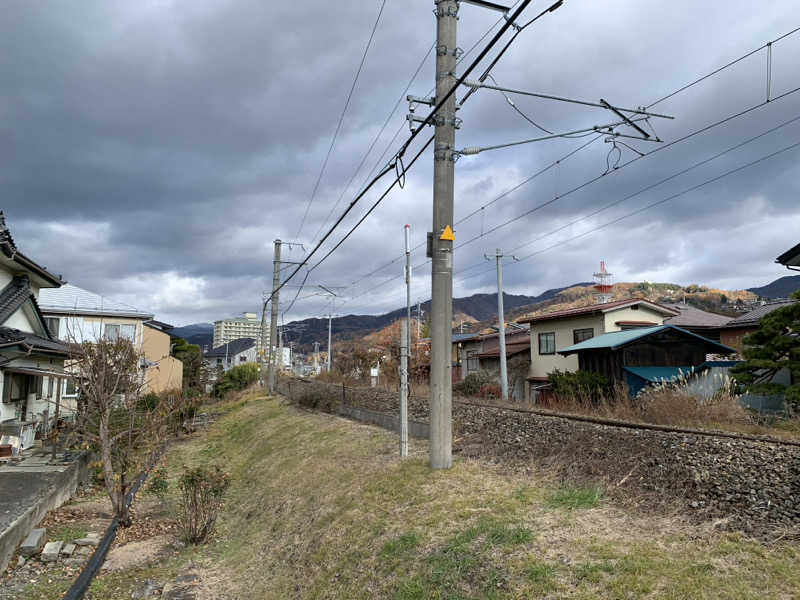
(320, 507)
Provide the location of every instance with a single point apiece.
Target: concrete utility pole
(404, 325)
(263, 357)
(273, 321)
(330, 350)
(441, 420)
(316, 358)
(501, 329)
(280, 348)
(405, 341)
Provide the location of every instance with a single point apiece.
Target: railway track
(634, 424)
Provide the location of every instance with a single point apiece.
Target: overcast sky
(151, 151)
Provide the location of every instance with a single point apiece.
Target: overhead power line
(341, 119)
(668, 198)
(398, 157)
(648, 188)
(590, 181)
(716, 71)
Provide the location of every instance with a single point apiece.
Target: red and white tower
(604, 286)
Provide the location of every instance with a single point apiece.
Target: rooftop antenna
(604, 287)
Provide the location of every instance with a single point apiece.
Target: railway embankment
(746, 483)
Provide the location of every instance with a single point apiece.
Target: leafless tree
(126, 428)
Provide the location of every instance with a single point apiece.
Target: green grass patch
(575, 497)
(66, 532)
(320, 507)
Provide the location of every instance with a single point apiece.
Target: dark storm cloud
(154, 150)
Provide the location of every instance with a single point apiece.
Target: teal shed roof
(617, 339)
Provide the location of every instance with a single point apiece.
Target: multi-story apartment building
(246, 326)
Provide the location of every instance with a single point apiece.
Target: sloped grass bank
(320, 507)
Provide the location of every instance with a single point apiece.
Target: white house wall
(79, 328)
(19, 320)
(541, 365)
(643, 313)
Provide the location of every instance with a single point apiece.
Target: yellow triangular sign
(448, 234)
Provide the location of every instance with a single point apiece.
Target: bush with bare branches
(112, 418)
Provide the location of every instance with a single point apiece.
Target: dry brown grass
(674, 405)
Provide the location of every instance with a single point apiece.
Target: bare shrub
(202, 489)
(669, 403)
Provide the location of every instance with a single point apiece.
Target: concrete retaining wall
(56, 491)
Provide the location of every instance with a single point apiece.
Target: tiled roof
(617, 339)
(790, 257)
(11, 337)
(754, 316)
(71, 299)
(511, 350)
(14, 295)
(694, 317)
(233, 347)
(597, 308)
(10, 250)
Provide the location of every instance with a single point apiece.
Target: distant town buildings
(246, 326)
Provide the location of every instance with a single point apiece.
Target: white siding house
(551, 332)
(74, 314)
(31, 360)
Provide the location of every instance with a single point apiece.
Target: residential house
(74, 314)
(560, 329)
(639, 357)
(164, 372)
(732, 332)
(697, 321)
(228, 355)
(481, 352)
(31, 359)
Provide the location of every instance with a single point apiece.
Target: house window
(472, 361)
(115, 332)
(219, 361)
(16, 387)
(242, 359)
(52, 326)
(547, 343)
(69, 387)
(579, 335)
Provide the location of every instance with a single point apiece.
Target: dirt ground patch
(136, 553)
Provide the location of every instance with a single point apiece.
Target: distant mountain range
(780, 288)
(201, 334)
(478, 308)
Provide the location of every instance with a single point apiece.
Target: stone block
(68, 549)
(83, 551)
(75, 561)
(91, 539)
(51, 551)
(20, 562)
(33, 543)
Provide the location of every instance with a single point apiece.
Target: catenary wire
(597, 178)
(647, 188)
(341, 119)
(390, 166)
(731, 63)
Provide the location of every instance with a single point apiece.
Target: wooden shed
(660, 346)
